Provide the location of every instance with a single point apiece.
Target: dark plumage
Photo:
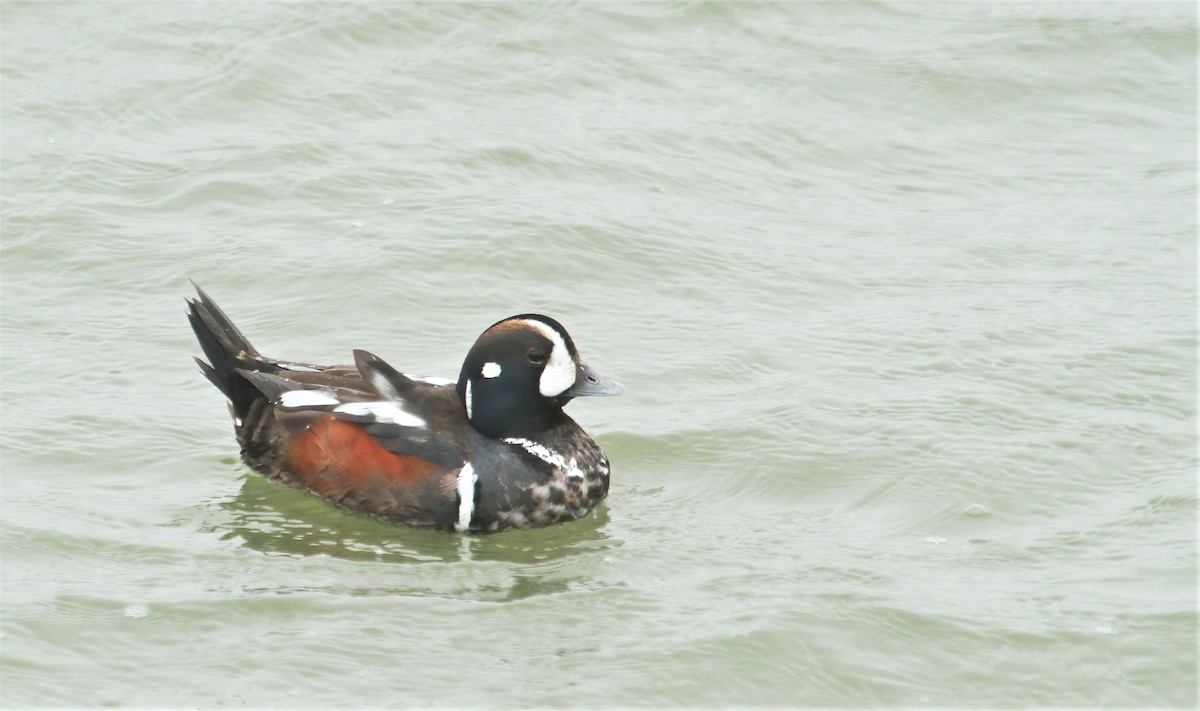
(492, 451)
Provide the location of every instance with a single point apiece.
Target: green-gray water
(904, 295)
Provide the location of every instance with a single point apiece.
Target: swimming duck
(490, 451)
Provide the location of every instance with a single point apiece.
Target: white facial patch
(490, 370)
(559, 373)
(465, 486)
(307, 398)
(382, 412)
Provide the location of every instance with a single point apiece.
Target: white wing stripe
(307, 398)
(382, 412)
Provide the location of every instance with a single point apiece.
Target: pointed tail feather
(227, 350)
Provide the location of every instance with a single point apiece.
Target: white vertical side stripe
(466, 496)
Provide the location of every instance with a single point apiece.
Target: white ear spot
(490, 370)
(559, 373)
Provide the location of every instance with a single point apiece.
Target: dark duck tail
(228, 351)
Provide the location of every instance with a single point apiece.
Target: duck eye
(536, 357)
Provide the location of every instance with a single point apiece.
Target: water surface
(904, 295)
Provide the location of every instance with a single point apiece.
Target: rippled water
(904, 295)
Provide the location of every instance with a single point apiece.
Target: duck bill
(589, 382)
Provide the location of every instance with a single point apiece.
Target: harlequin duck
(490, 452)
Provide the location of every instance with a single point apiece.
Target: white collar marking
(559, 373)
(468, 399)
(466, 496)
(544, 453)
